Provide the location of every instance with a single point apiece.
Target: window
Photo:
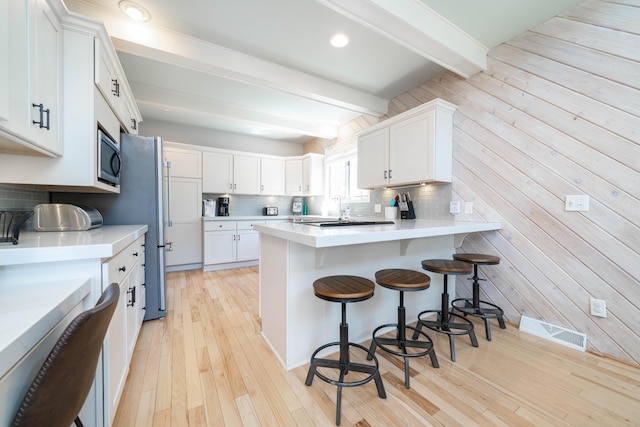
(341, 174)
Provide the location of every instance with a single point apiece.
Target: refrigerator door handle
(167, 164)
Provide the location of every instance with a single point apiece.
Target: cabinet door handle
(135, 254)
(134, 124)
(261, 187)
(123, 268)
(116, 88)
(235, 186)
(230, 186)
(385, 174)
(238, 237)
(132, 301)
(390, 176)
(41, 111)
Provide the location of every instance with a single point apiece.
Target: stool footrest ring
(388, 344)
(371, 370)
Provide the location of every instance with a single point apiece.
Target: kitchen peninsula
(293, 255)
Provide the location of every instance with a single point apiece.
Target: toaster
(65, 217)
(270, 211)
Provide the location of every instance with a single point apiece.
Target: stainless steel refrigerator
(142, 200)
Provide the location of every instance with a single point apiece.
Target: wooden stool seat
(474, 306)
(404, 280)
(344, 289)
(447, 322)
(480, 259)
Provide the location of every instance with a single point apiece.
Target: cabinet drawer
(219, 225)
(248, 225)
(120, 265)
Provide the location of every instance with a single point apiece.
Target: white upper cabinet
(184, 163)
(272, 176)
(111, 82)
(246, 174)
(217, 172)
(293, 176)
(304, 175)
(313, 174)
(411, 148)
(31, 101)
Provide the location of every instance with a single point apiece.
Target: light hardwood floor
(206, 364)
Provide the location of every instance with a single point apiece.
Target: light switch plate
(468, 208)
(377, 208)
(454, 207)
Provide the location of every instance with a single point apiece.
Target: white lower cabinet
(127, 271)
(228, 242)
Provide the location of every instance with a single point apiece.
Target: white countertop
(322, 237)
(51, 246)
(249, 218)
(29, 311)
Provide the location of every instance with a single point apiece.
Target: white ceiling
(266, 68)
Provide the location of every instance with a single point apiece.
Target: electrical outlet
(454, 207)
(468, 208)
(377, 208)
(578, 203)
(598, 307)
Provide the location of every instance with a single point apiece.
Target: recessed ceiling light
(339, 40)
(134, 10)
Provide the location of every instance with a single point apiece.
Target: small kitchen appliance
(65, 217)
(223, 206)
(270, 211)
(296, 208)
(209, 207)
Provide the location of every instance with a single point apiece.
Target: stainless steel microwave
(109, 160)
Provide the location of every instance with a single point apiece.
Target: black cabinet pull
(135, 254)
(123, 268)
(132, 301)
(134, 124)
(116, 87)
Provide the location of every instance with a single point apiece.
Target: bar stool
(410, 281)
(446, 321)
(344, 289)
(475, 306)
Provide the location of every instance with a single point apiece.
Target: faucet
(342, 213)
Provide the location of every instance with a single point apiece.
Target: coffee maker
(223, 206)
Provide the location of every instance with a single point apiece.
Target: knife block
(407, 212)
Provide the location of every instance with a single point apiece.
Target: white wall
(211, 138)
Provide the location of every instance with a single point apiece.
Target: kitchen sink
(345, 223)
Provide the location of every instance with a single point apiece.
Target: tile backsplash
(12, 197)
(430, 202)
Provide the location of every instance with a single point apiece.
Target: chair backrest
(65, 378)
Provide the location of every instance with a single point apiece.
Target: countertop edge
(320, 238)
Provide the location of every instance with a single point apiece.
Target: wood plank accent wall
(556, 113)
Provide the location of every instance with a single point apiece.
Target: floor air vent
(554, 333)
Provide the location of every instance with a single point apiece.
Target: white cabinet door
(246, 174)
(184, 163)
(186, 244)
(313, 175)
(217, 173)
(247, 242)
(272, 172)
(46, 64)
(411, 150)
(293, 177)
(373, 155)
(33, 106)
(4, 61)
(185, 233)
(219, 247)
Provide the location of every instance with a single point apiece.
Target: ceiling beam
(203, 109)
(155, 43)
(419, 28)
